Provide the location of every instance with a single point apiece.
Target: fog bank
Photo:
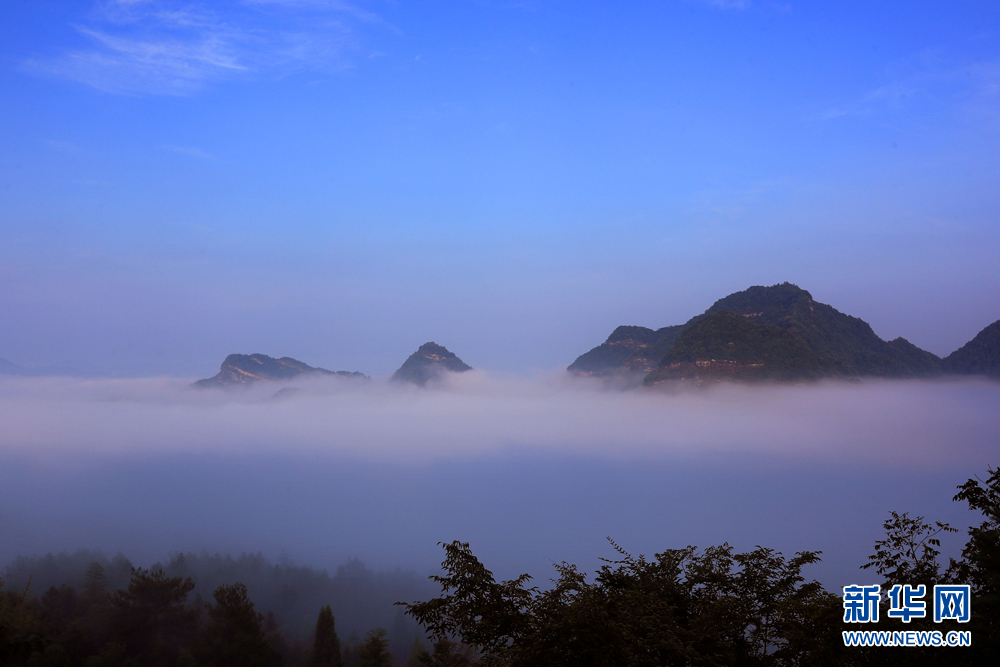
(529, 470)
(911, 423)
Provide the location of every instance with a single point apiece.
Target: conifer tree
(375, 650)
(419, 655)
(234, 635)
(326, 645)
(95, 581)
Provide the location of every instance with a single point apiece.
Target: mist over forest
(530, 470)
(777, 216)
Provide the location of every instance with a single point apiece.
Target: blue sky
(341, 182)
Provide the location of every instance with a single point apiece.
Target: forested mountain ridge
(824, 343)
(725, 345)
(245, 369)
(86, 609)
(628, 349)
(980, 356)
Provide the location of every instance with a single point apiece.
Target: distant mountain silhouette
(429, 361)
(245, 369)
(784, 334)
(980, 356)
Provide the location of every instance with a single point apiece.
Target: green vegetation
(627, 349)
(824, 343)
(980, 356)
(727, 345)
(326, 644)
(714, 607)
(375, 651)
(94, 611)
(846, 344)
(681, 607)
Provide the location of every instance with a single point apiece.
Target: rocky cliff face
(428, 362)
(246, 369)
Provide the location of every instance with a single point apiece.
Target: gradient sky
(342, 182)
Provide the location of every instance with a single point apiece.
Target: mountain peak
(429, 361)
(784, 334)
(246, 369)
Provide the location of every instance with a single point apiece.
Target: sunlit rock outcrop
(245, 369)
(428, 362)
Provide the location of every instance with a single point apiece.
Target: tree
(981, 555)
(680, 607)
(20, 629)
(95, 582)
(448, 654)
(375, 650)
(112, 655)
(59, 607)
(151, 618)
(234, 636)
(484, 613)
(418, 654)
(908, 554)
(326, 644)
(980, 564)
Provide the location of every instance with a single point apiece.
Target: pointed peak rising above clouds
(781, 333)
(246, 369)
(429, 361)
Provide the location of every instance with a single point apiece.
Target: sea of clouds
(918, 423)
(529, 469)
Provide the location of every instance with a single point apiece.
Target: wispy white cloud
(165, 47)
(323, 5)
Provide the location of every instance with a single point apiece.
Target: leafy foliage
(980, 564)
(681, 607)
(447, 653)
(486, 614)
(909, 552)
